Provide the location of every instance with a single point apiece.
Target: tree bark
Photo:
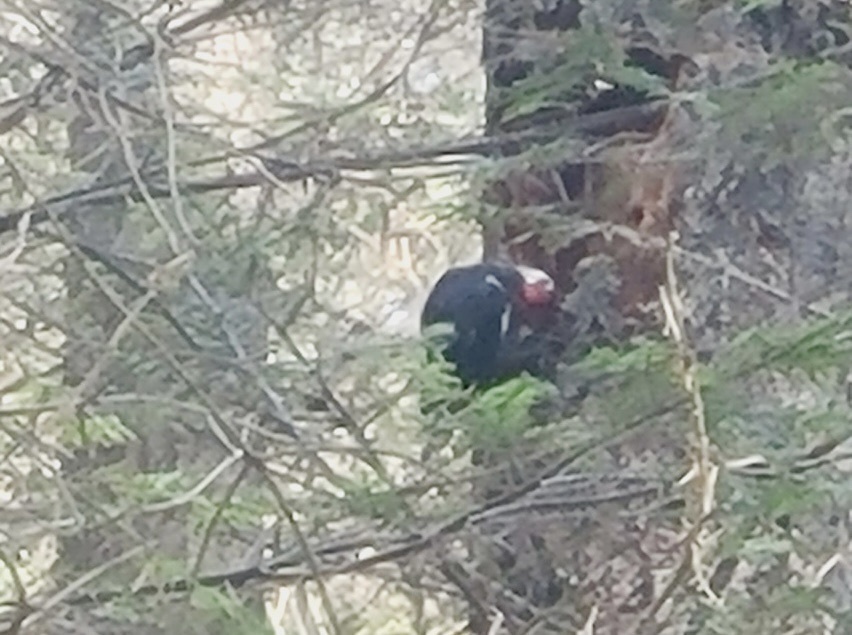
(602, 228)
(560, 573)
(120, 345)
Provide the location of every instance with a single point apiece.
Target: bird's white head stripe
(532, 275)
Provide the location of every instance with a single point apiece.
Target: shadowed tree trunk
(599, 221)
(556, 571)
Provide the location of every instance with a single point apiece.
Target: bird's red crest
(538, 288)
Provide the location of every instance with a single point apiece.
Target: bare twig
(703, 471)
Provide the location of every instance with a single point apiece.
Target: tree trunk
(595, 570)
(134, 340)
(559, 573)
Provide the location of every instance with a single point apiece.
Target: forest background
(218, 223)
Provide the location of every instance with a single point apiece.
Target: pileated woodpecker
(487, 306)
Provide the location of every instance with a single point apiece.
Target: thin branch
(703, 471)
(288, 170)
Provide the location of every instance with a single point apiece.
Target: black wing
(477, 302)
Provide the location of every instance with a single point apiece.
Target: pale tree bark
(135, 338)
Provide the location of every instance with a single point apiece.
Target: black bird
(487, 307)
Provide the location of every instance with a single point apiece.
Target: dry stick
(370, 457)
(237, 453)
(214, 520)
(703, 470)
(417, 541)
(240, 452)
(78, 394)
(291, 170)
(310, 556)
(131, 315)
(7, 262)
(113, 266)
(130, 161)
(223, 431)
(17, 583)
(681, 575)
(187, 496)
(171, 145)
(60, 596)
